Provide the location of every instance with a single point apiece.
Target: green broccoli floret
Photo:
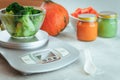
(37, 20)
(15, 8)
(35, 11)
(19, 30)
(27, 27)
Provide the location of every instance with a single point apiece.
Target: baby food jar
(87, 27)
(107, 24)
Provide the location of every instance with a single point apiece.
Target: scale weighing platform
(42, 53)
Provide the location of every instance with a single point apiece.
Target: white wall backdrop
(99, 5)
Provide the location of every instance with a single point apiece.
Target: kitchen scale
(42, 53)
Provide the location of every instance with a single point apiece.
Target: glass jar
(87, 27)
(107, 24)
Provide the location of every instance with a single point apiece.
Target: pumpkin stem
(47, 0)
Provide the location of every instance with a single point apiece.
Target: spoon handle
(87, 55)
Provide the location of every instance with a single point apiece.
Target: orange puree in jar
(87, 27)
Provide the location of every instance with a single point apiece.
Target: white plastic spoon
(89, 66)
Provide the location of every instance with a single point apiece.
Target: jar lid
(108, 14)
(87, 17)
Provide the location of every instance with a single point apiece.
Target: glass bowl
(22, 26)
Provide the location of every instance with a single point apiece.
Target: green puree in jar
(107, 28)
(107, 25)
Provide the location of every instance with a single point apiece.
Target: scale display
(44, 56)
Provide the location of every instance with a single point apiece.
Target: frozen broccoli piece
(27, 26)
(37, 19)
(19, 30)
(15, 8)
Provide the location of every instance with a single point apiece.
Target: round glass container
(87, 27)
(107, 24)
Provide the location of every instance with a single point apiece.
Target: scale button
(28, 60)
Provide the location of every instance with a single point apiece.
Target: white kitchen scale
(42, 53)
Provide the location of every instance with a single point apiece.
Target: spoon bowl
(89, 66)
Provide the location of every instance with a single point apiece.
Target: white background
(99, 5)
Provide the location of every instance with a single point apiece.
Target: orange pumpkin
(56, 18)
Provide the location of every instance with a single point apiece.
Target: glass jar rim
(87, 17)
(107, 14)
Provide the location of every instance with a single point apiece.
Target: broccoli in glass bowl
(22, 21)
